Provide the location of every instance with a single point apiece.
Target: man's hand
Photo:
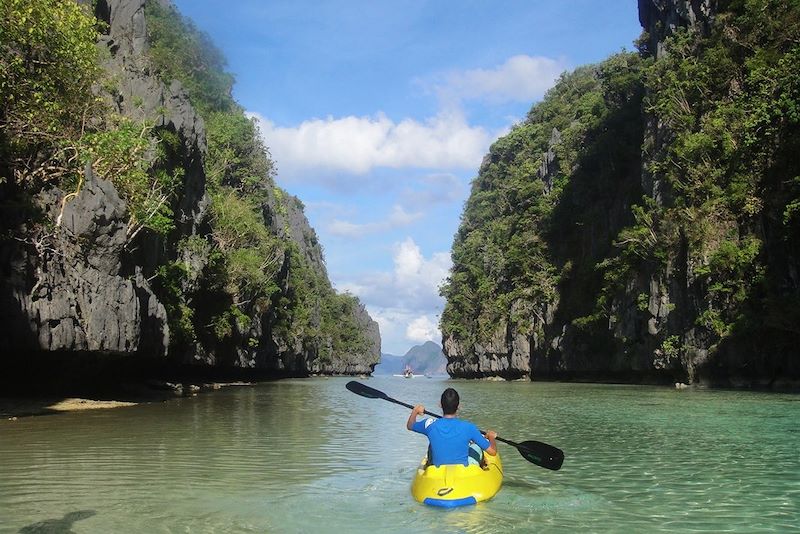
(491, 435)
(412, 418)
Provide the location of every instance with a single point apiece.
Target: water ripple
(308, 456)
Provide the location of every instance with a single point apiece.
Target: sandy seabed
(14, 408)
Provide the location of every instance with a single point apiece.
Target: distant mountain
(423, 359)
(426, 359)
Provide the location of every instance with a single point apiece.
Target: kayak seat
(475, 454)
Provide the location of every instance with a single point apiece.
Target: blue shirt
(450, 439)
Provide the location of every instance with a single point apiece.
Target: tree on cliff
(53, 120)
(658, 229)
(48, 64)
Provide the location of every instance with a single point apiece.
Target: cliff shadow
(593, 207)
(19, 216)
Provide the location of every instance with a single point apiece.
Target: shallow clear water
(309, 456)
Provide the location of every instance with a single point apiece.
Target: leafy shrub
(180, 51)
(126, 155)
(236, 157)
(48, 63)
(169, 284)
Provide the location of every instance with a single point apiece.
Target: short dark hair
(450, 401)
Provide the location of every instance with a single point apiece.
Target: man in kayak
(449, 436)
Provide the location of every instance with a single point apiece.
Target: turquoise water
(309, 456)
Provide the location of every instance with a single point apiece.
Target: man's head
(450, 401)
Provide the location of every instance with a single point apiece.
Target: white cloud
(521, 78)
(413, 284)
(417, 278)
(359, 144)
(401, 329)
(423, 329)
(392, 323)
(399, 217)
(405, 302)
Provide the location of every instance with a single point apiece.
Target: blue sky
(378, 113)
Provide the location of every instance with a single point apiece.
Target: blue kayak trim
(450, 503)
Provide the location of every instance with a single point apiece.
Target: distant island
(425, 359)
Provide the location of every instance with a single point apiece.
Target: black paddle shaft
(536, 452)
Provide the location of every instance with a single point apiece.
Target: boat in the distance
(407, 372)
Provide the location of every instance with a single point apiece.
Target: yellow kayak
(457, 485)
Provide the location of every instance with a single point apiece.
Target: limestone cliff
(79, 281)
(640, 225)
(660, 19)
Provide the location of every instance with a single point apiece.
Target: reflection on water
(309, 456)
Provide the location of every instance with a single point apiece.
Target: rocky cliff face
(579, 259)
(319, 356)
(69, 290)
(677, 294)
(663, 287)
(75, 280)
(660, 19)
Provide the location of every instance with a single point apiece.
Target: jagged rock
(78, 298)
(549, 165)
(284, 213)
(505, 354)
(660, 18)
(141, 95)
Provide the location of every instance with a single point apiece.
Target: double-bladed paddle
(535, 452)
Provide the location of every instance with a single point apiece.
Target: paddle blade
(365, 391)
(541, 454)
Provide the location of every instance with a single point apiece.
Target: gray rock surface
(660, 18)
(70, 288)
(141, 95)
(284, 213)
(285, 216)
(82, 286)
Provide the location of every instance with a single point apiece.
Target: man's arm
(418, 410)
(491, 435)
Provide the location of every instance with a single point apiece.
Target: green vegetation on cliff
(523, 230)
(647, 208)
(48, 63)
(52, 122)
(730, 104)
(247, 254)
(228, 272)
